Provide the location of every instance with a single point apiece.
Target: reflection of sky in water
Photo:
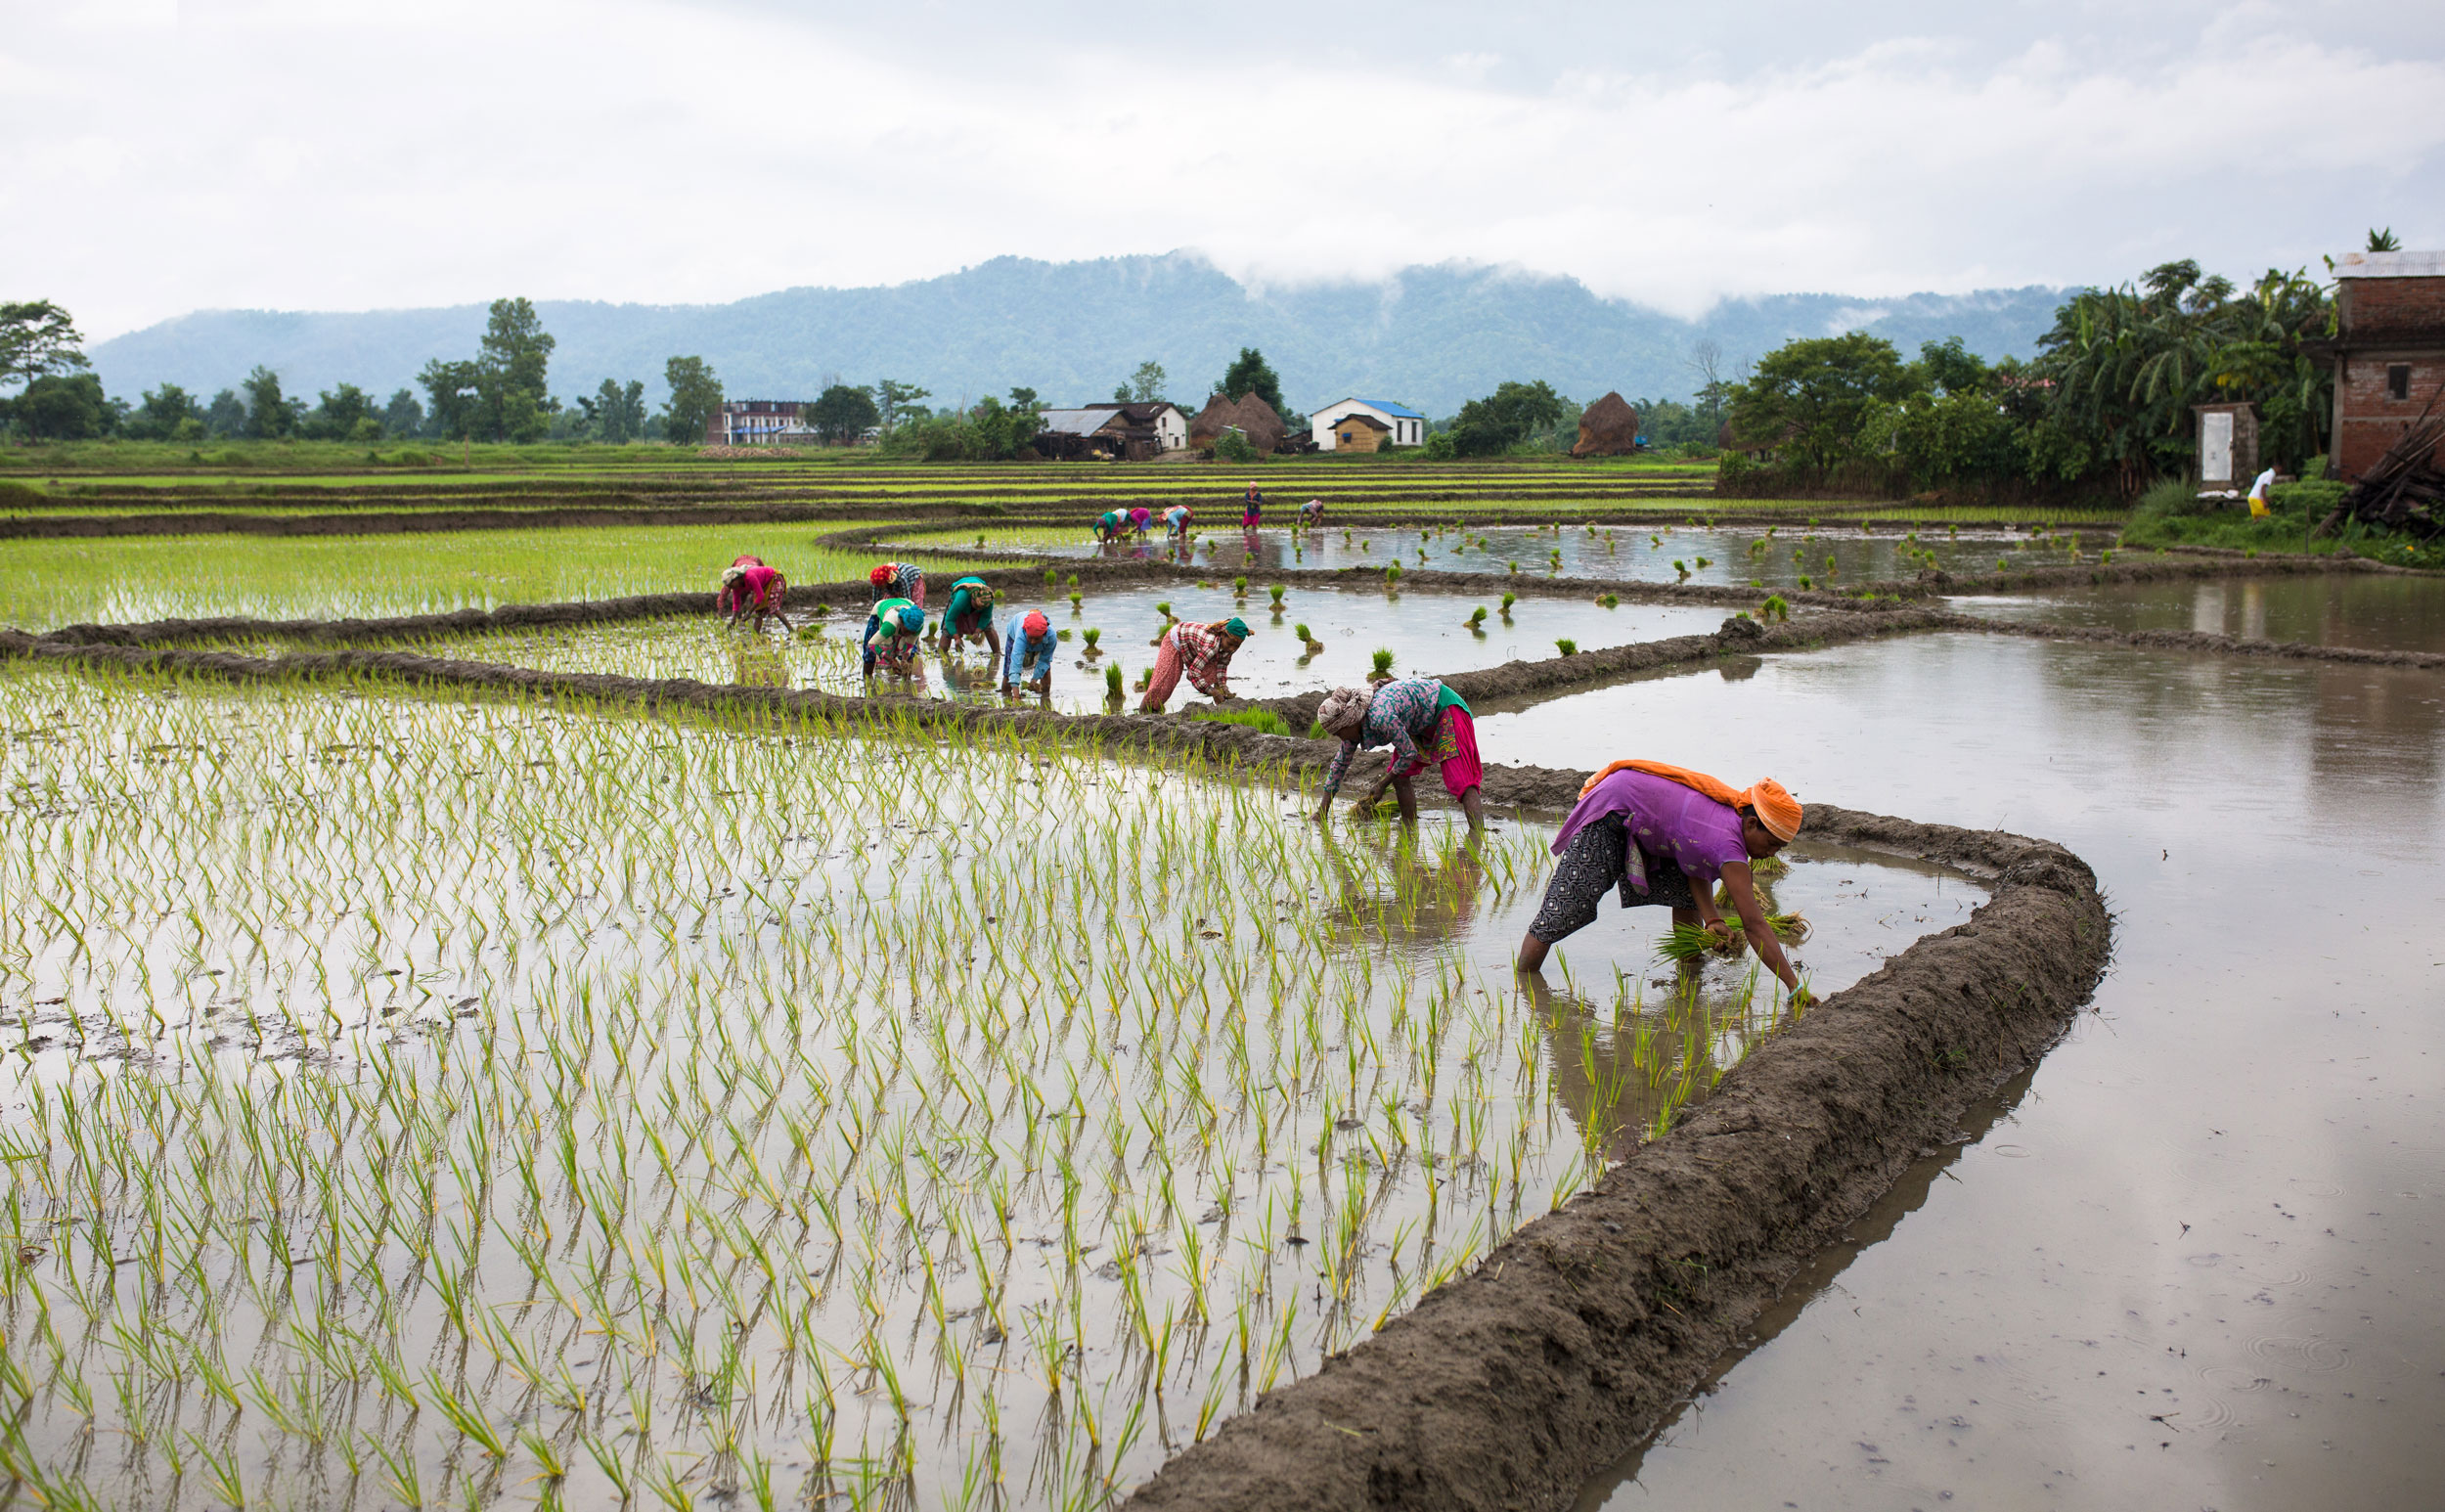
(2262, 1069)
(2371, 610)
(1639, 554)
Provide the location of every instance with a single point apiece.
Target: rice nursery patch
(47, 583)
(461, 1102)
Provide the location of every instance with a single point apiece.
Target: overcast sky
(327, 154)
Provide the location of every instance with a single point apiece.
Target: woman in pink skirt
(1422, 721)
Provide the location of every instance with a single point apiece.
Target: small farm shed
(2389, 352)
(1399, 424)
(2228, 444)
(758, 423)
(1133, 432)
(1360, 433)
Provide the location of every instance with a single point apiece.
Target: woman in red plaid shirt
(1203, 652)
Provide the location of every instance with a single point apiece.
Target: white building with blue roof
(1363, 424)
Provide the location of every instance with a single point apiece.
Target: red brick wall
(2367, 420)
(2377, 307)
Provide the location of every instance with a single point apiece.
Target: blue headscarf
(912, 619)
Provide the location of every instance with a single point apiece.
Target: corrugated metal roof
(2389, 265)
(1390, 408)
(1079, 422)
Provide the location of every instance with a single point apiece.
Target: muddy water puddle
(2375, 611)
(1425, 632)
(1655, 553)
(440, 1097)
(2192, 1263)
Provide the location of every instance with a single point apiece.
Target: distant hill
(1429, 337)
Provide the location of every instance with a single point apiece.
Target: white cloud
(330, 155)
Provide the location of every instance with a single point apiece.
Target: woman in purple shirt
(1665, 834)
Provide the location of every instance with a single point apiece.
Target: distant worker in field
(1142, 521)
(1664, 834)
(1422, 721)
(899, 580)
(892, 634)
(1111, 525)
(1028, 664)
(749, 587)
(1311, 514)
(970, 611)
(1176, 523)
(1203, 652)
(2262, 494)
(1252, 508)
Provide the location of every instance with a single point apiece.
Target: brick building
(2389, 352)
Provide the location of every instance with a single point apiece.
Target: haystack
(1250, 415)
(1609, 427)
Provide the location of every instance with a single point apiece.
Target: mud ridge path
(1513, 1385)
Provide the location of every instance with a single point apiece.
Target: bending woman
(1203, 652)
(1665, 834)
(1422, 721)
(970, 611)
(749, 587)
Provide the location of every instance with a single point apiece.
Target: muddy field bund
(568, 1054)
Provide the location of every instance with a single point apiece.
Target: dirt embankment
(1515, 1385)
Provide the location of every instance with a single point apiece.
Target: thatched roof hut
(1249, 415)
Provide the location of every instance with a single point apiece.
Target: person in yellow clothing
(2260, 492)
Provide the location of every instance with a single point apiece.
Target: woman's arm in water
(1737, 882)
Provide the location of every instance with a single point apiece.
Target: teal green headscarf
(1237, 628)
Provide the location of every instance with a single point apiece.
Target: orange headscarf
(1776, 808)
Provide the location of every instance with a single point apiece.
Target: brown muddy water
(2372, 611)
(2192, 1261)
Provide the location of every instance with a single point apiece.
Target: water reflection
(2372, 611)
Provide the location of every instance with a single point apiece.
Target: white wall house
(1403, 425)
(1170, 425)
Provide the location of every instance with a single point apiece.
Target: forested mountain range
(1430, 337)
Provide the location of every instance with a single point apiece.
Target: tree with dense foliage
(270, 415)
(894, 399)
(510, 382)
(38, 339)
(344, 414)
(403, 415)
(1146, 385)
(841, 415)
(225, 418)
(1250, 374)
(1808, 398)
(1502, 420)
(168, 414)
(695, 393)
(450, 391)
(613, 413)
(64, 407)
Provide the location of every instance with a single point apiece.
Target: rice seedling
(1112, 678)
(1379, 664)
(1609, 601)
(1091, 634)
(1508, 600)
(1776, 607)
(1567, 647)
(1477, 618)
(1275, 591)
(1078, 603)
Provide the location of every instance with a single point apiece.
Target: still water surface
(2192, 1261)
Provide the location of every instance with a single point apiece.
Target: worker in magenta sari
(1664, 834)
(1141, 521)
(1422, 721)
(749, 587)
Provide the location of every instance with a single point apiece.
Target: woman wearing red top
(749, 587)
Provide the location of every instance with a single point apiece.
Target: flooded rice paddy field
(1426, 633)
(1776, 557)
(2191, 1262)
(2374, 611)
(490, 1101)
